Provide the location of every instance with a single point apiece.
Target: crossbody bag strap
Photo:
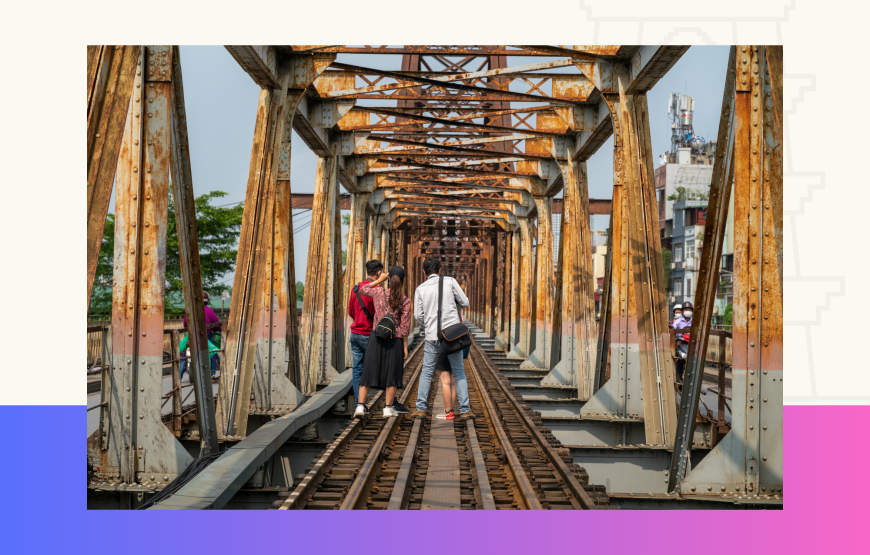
(440, 296)
(362, 305)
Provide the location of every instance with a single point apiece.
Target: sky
(221, 102)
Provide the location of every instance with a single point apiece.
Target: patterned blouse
(381, 298)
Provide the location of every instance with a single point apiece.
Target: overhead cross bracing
(458, 153)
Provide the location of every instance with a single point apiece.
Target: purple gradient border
(43, 508)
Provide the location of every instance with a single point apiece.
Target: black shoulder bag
(386, 328)
(452, 338)
(362, 305)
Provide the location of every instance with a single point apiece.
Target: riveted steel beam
(191, 277)
(575, 360)
(133, 443)
(748, 460)
(322, 328)
(111, 72)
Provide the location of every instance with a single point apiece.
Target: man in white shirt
(426, 314)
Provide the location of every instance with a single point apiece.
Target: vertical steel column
(620, 396)
(137, 443)
(317, 333)
(502, 339)
(653, 341)
(516, 273)
(576, 356)
(356, 263)
(708, 281)
(543, 287)
(111, 72)
(524, 291)
(191, 278)
(748, 461)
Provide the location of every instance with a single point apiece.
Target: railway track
(503, 460)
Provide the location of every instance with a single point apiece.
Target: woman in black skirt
(385, 358)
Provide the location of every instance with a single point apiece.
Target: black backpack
(386, 328)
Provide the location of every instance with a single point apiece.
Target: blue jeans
(358, 345)
(431, 350)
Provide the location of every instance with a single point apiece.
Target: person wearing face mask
(683, 322)
(678, 313)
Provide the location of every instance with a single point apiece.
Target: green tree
(300, 291)
(101, 296)
(727, 315)
(218, 234)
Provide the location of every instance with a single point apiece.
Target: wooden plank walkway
(442, 478)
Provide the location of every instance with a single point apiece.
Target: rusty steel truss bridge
(460, 159)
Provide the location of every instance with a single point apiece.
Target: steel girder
(747, 463)
(132, 444)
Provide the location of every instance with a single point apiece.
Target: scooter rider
(678, 313)
(684, 322)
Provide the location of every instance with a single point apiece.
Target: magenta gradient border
(43, 508)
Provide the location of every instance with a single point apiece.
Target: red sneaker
(450, 416)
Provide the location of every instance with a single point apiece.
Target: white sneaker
(390, 411)
(360, 411)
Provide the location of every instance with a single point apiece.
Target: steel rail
(524, 486)
(401, 492)
(312, 479)
(569, 480)
(480, 469)
(359, 490)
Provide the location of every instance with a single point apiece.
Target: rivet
(693, 488)
(128, 417)
(135, 170)
(141, 389)
(151, 115)
(752, 344)
(128, 388)
(751, 427)
(709, 488)
(143, 334)
(752, 372)
(764, 458)
(744, 82)
(764, 427)
(137, 115)
(141, 417)
(165, 478)
(136, 142)
(149, 171)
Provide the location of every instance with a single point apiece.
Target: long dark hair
(397, 293)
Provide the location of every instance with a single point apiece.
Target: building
(599, 266)
(690, 217)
